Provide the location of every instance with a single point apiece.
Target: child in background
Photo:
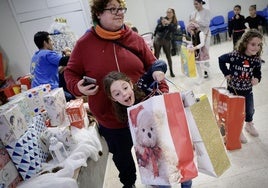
(243, 72)
(236, 26)
(254, 20)
(197, 46)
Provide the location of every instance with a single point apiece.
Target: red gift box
(76, 112)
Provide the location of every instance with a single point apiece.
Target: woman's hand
(158, 76)
(90, 89)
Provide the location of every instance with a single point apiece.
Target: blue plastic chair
(182, 26)
(230, 15)
(217, 26)
(265, 15)
(260, 12)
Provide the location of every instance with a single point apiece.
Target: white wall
(142, 13)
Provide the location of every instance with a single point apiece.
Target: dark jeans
(120, 143)
(166, 44)
(249, 107)
(187, 184)
(249, 103)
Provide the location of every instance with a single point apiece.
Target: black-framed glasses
(115, 11)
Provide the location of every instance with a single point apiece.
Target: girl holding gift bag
(198, 46)
(243, 72)
(123, 94)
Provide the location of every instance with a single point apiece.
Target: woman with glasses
(109, 46)
(164, 31)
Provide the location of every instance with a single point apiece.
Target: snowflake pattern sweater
(242, 69)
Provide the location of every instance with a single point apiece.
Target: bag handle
(179, 88)
(155, 91)
(227, 81)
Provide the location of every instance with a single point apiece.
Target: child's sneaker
(243, 139)
(251, 129)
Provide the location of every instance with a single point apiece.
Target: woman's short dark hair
(97, 6)
(40, 37)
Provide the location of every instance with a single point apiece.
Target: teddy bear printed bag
(161, 140)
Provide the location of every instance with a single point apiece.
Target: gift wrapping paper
(55, 104)
(12, 124)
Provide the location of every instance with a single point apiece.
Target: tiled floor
(249, 165)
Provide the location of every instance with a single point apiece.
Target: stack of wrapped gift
(22, 140)
(21, 124)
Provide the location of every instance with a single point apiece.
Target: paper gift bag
(211, 154)
(161, 140)
(188, 66)
(230, 115)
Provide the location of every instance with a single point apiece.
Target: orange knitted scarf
(110, 35)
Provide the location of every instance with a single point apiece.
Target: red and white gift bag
(161, 139)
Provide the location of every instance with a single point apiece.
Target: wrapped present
(161, 140)
(21, 101)
(34, 98)
(9, 176)
(12, 124)
(76, 112)
(40, 126)
(25, 81)
(62, 35)
(27, 154)
(55, 104)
